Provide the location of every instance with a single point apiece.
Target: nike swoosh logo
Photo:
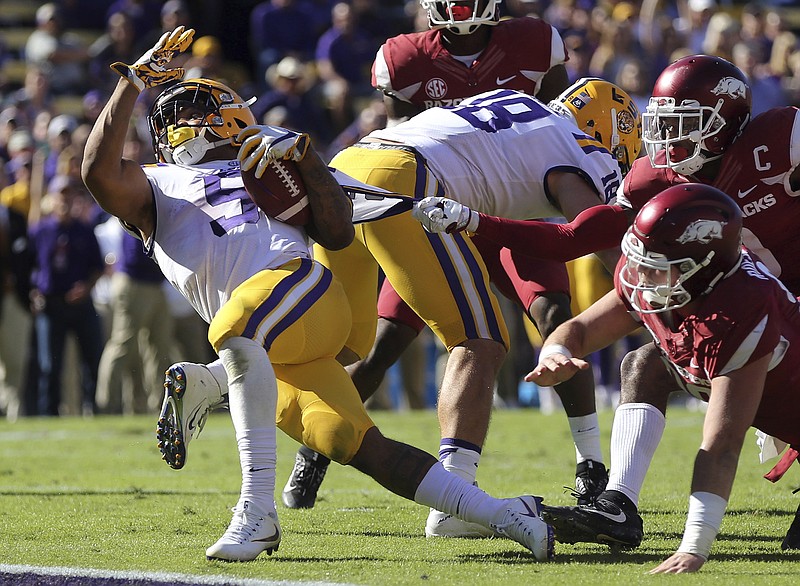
(617, 517)
(272, 537)
(499, 81)
(745, 193)
(693, 364)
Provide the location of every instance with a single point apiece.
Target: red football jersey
(747, 316)
(417, 68)
(755, 172)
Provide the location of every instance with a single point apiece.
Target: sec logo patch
(436, 88)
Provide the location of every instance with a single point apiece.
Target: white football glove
(150, 69)
(262, 144)
(440, 214)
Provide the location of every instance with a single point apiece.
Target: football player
(728, 329)
(697, 128)
(516, 157)
(276, 317)
(466, 50)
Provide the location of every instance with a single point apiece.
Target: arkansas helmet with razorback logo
(699, 106)
(681, 243)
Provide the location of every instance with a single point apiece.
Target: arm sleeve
(596, 228)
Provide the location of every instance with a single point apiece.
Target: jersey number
(217, 195)
(501, 111)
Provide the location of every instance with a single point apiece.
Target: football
(280, 192)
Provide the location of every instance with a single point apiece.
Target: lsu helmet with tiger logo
(605, 112)
(681, 243)
(223, 115)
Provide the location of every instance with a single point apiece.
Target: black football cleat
(590, 480)
(612, 519)
(309, 471)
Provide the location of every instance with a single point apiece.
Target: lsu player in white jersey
(276, 317)
(506, 152)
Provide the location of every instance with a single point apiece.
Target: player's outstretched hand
(679, 563)
(440, 214)
(150, 69)
(262, 144)
(554, 369)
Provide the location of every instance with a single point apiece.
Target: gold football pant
(300, 314)
(441, 276)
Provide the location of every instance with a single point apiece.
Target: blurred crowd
(88, 323)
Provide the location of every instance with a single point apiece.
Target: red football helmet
(461, 17)
(699, 106)
(682, 242)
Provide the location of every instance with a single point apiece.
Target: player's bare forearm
(331, 209)
(118, 185)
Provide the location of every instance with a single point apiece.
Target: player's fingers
(247, 132)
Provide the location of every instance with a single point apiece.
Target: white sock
(586, 435)
(257, 457)
(635, 435)
(451, 494)
(459, 460)
(217, 370)
(253, 393)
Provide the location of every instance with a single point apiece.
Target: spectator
(292, 82)
(15, 267)
(61, 55)
(59, 137)
(722, 34)
(695, 23)
(344, 58)
(34, 96)
(766, 88)
(141, 343)
(634, 79)
(752, 31)
(67, 263)
(17, 195)
(208, 60)
(279, 28)
(117, 44)
(142, 14)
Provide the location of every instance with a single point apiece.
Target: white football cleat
(249, 533)
(441, 524)
(523, 523)
(190, 394)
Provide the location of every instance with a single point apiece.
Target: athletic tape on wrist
(550, 349)
(702, 523)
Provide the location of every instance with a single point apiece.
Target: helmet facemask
(652, 283)
(681, 131)
(460, 17)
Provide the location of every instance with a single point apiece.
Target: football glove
(262, 144)
(440, 214)
(150, 69)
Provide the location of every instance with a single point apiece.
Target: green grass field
(95, 494)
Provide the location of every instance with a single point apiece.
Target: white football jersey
(493, 152)
(210, 237)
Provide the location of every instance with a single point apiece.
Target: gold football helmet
(606, 112)
(218, 115)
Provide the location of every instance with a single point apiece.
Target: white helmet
(461, 17)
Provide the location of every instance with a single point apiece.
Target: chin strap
(194, 150)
